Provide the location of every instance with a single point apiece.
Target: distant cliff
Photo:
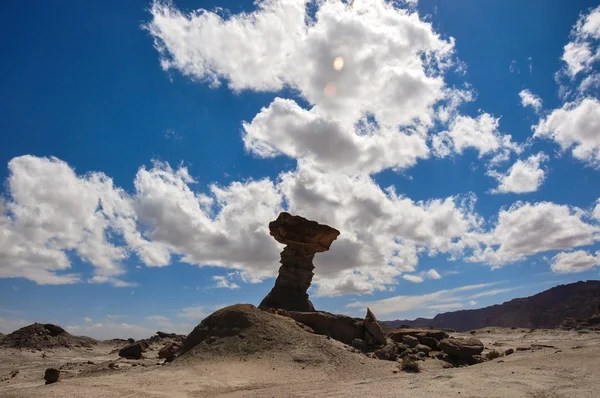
(547, 309)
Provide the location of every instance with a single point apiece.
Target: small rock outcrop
(133, 351)
(592, 323)
(304, 238)
(339, 327)
(461, 348)
(168, 352)
(51, 375)
(42, 336)
(373, 328)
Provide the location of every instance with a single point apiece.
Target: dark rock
(398, 334)
(168, 351)
(304, 238)
(130, 341)
(359, 344)
(387, 353)
(405, 353)
(340, 327)
(410, 341)
(523, 348)
(51, 375)
(164, 335)
(133, 351)
(430, 342)
(423, 348)
(509, 351)
(373, 329)
(461, 348)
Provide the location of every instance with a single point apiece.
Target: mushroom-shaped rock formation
(304, 238)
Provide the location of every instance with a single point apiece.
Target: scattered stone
(557, 351)
(473, 331)
(304, 238)
(113, 365)
(133, 351)
(14, 373)
(168, 352)
(51, 375)
(462, 348)
(373, 328)
(164, 335)
(410, 341)
(429, 341)
(44, 355)
(405, 353)
(359, 344)
(540, 346)
(424, 349)
(509, 351)
(387, 353)
(90, 363)
(339, 327)
(523, 348)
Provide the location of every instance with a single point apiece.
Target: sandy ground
(567, 369)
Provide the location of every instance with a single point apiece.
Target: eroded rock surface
(304, 238)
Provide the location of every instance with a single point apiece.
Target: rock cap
(299, 232)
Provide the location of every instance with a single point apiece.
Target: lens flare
(330, 90)
(338, 63)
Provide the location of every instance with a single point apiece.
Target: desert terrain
(546, 363)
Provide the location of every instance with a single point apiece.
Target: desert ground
(556, 364)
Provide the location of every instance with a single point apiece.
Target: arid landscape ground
(295, 363)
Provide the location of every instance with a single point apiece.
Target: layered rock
(304, 238)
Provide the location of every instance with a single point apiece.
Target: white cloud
(395, 306)
(493, 292)
(530, 99)
(224, 282)
(87, 319)
(365, 114)
(446, 306)
(524, 176)
(472, 303)
(573, 262)
(481, 134)
(413, 278)
(525, 229)
(433, 274)
(582, 51)
(575, 126)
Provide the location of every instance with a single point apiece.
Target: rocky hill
(547, 309)
(40, 336)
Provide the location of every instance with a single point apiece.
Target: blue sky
(145, 147)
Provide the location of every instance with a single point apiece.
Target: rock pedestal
(304, 238)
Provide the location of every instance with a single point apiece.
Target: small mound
(243, 331)
(39, 336)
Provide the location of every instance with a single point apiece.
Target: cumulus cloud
(480, 134)
(573, 262)
(575, 127)
(525, 229)
(524, 176)
(371, 73)
(530, 99)
(433, 274)
(413, 278)
(224, 283)
(582, 51)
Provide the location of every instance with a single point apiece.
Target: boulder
(430, 342)
(164, 335)
(461, 348)
(304, 238)
(387, 353)
(423, 348)
(359, 344)
(509, 351)
(437, 334)
(51, 375)
(373, 328)
(410, 341)
(133, 351)
(340, 327)
(168, 351)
